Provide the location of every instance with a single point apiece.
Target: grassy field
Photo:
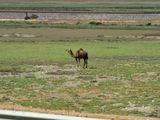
(123, 76)
(103, 6)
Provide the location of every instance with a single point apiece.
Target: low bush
(95, 23)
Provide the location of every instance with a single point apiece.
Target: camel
(80, 54)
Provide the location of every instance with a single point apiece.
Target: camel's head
(69, 51)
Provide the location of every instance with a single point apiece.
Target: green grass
(87, 25)
(123, 88)
(119, 73)
(55, 51)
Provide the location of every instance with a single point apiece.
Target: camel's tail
(87, 56)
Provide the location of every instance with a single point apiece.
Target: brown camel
(80, 54)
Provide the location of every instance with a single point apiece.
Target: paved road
(80, 16)
(20, 115)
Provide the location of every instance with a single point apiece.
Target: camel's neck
(72, 54)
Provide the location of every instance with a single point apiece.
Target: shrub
(27, 17)
(95, 23)
(33, 16)
(148, 24)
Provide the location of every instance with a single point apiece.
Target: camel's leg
(85, 63)
(77, 62)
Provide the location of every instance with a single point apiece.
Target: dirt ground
(73, 113)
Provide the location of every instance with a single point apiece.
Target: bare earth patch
(18, 35)
(45, 71)
(146, 110)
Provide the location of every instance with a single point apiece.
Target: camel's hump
(81, 49)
